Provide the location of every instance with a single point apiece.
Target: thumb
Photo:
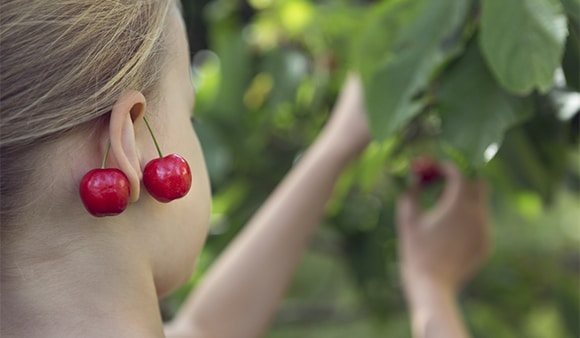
(408, 210)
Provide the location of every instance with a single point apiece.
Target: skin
(73, 275)
(440, 250)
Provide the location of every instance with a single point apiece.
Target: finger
(408, 210)
(454, 186)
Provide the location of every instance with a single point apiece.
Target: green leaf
(475, 111)
(571, 59)
(572, 8)
(422, 42)
(383, 25)
(523, 42)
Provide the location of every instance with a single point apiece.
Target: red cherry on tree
(105, 192)
(426, 170)
(166, 178)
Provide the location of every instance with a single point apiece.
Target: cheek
(200, 193)
(196, 205)
(187, 218)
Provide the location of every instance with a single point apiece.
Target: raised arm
(440, 250)
(240, 293)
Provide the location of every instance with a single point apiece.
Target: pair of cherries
(106, 192)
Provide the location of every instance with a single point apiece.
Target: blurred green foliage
(456, 79)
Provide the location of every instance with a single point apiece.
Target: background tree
(491, 85)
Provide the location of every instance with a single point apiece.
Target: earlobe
(129, 107)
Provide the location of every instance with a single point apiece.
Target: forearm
(434, 310)
(241, 292)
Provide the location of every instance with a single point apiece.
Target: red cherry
(426, 170)
(105, 192)
(167, 178)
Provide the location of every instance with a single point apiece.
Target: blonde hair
(63, 64)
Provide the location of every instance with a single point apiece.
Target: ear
(129, 107)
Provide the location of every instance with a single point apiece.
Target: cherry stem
(104, 163)
(153, 136)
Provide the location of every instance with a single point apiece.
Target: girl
(80, 75)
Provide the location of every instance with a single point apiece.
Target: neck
(78, 288)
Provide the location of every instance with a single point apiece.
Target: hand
(444, 246)
(348, 128)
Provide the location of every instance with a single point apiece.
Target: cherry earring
(166, 178)
(105, 191)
